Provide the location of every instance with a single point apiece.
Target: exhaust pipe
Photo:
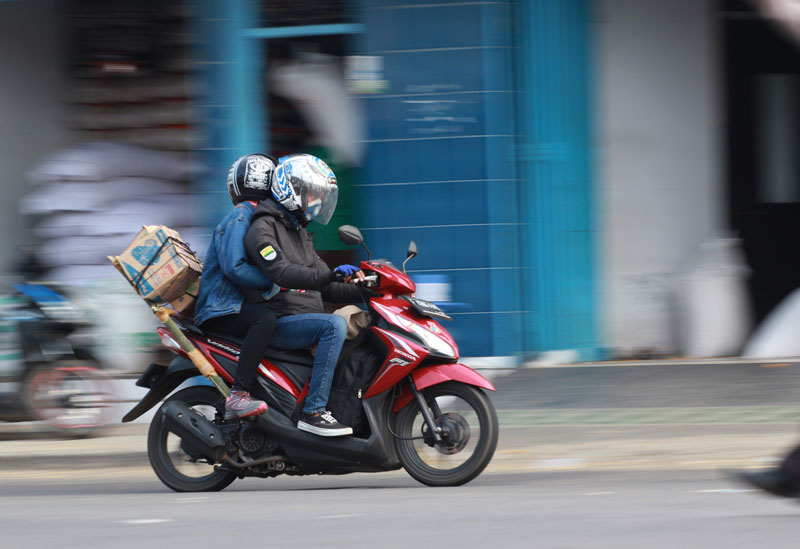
(278, 426)
(195, 431)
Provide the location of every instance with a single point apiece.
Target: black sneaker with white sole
(323, 424)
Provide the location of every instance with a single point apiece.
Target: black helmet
(249, 178)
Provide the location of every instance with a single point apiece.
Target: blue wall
(231, 106)
(479, 150)
(441, 167)
(557, 188)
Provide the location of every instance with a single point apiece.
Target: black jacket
(286, 255)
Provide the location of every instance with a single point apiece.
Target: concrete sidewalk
(655, 415)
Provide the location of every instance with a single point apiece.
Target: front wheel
(469, 433)
(74, 398)
(173, 465)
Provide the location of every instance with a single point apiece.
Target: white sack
(81, 250)
(83, 196)
(123, 218)
(319, 92)
(716, 315)
(103, 161)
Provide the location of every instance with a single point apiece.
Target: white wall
(659, 160)
(31, 106)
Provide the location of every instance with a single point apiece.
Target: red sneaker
(241, 404)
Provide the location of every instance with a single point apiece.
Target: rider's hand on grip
(344, 273)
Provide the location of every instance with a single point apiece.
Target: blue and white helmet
(306, 187)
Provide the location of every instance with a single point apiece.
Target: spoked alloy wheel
(70, 398)
(469, 435)
(173, 465)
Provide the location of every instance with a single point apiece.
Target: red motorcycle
(397, 383)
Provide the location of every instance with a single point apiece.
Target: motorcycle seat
(300, 356)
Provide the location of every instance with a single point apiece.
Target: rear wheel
(469, 433)
(173, 465)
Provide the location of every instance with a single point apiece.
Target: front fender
(161, 380)
(440, 373)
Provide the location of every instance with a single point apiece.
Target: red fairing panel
(400, 307)
(265, 368)
(403, 355)
(440, 373)
(270, 371)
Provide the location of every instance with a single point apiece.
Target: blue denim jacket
(226, 268)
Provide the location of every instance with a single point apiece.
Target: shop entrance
(762, 92)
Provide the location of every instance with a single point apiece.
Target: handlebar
(369, 280)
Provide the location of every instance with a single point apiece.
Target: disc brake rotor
(455, 433)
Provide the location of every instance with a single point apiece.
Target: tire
(462, 410)
(72, 398)
(170, 463)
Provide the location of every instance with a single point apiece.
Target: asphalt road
(130, 509)
(597, 456)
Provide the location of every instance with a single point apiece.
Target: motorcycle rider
(303, 189)
(220, 303)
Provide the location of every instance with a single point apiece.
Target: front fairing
(390, 280)
(423, 330)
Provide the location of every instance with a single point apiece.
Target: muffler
(279, 427)
(200, 436)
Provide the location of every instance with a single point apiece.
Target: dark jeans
(304, 330)
(255, 323)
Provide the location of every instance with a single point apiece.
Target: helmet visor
(319, 190)
(321, 202)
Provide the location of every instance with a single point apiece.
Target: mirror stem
(369, 254)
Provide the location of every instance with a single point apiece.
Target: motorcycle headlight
(434, 342)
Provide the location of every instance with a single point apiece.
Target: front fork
(426, 408)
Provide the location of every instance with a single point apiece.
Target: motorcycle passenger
(303, 190)
(221, 306)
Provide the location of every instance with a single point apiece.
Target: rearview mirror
(350, 235)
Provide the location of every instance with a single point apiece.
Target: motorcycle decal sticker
(268, 253)
(231, 350)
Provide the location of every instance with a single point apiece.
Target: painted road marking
(341, 516)
(599, 493)
(145, 521)
(559, 463)
(722, 491)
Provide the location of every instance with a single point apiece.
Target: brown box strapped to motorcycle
(161, 267)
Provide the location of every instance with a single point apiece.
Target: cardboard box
(184, 305)
(159, 265)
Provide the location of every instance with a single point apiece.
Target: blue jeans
(305, 330)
